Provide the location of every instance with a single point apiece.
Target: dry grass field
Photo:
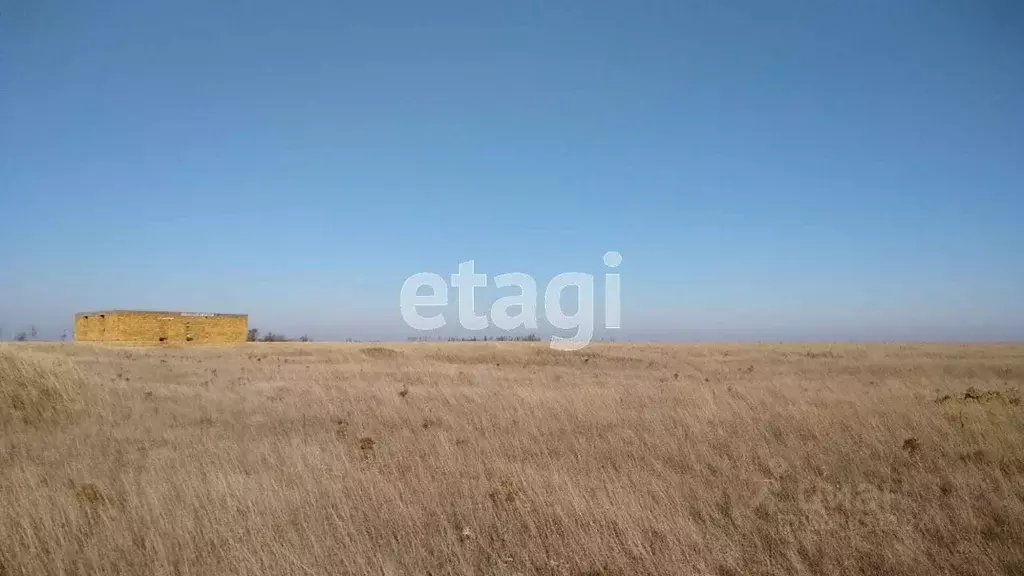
(502, 458)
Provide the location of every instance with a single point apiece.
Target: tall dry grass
(511, 459)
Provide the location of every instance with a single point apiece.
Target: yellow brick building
(167, 327)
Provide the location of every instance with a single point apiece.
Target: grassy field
(504, 459)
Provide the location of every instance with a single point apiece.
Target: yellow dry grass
(507, 459)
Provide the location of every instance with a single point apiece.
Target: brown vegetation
(511, 458)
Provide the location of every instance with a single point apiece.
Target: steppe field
(511, 458)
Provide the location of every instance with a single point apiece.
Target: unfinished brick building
(156, 327)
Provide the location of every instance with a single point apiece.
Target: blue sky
(769, 170)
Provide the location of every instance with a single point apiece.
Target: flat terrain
(506, 458)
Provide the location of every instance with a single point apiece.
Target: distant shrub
(254, 336)
(380, 353)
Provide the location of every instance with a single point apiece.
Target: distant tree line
(527, 338)
(23, 335)
(254, 336)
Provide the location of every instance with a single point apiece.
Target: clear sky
(768, 170)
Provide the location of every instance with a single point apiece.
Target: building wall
(156, 327)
